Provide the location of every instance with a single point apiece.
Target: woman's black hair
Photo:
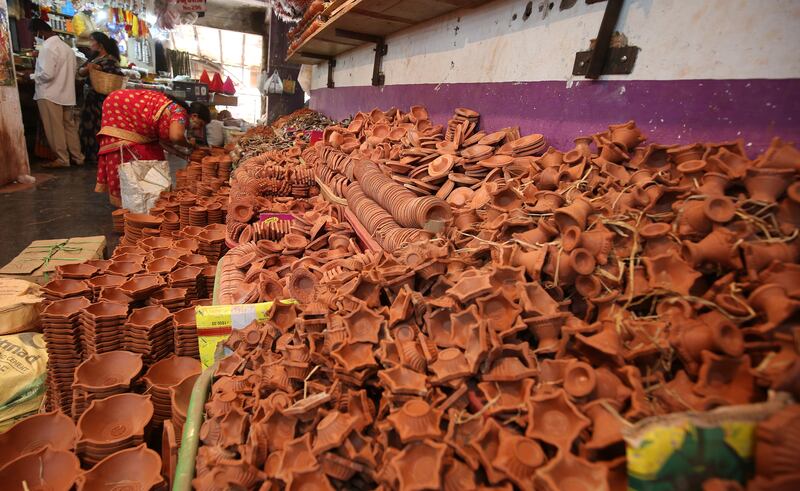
(108, 44)
(194, 108)
(201, 110)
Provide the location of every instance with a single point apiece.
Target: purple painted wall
(679, 111)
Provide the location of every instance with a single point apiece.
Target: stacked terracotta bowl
(171, 225)
(148, 332)
(198, 216)
(105, 281)
(164, 375)
(173, 299)
(212, 244)
(209, 274)
(136, 223)
(140, 287)
(46, 468)
(76, 271)
(187, 277)
(103, 375)
(186, 203)
(118, 218)
(66, 288)
(101, 327)
(186, 333)
(216, 213)
(112, 424)
(62, 332)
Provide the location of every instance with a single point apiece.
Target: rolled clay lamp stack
(571, 291)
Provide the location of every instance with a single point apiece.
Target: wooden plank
(374, 17)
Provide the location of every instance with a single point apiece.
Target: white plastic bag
(141, 182)
(275, 84)
(215, 133)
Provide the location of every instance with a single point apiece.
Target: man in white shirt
(55, 95)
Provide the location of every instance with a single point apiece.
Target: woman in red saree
(134, 123)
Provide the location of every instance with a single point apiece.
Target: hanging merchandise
(275, 84)
(289, 86)
(228, 88)
(216, 83)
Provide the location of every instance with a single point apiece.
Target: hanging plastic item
(216, 83)
(228, 87)
(275, 84)
(204, 78)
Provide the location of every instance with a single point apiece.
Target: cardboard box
(39, 260)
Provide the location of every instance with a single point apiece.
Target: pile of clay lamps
(291, 266)
(607, 283)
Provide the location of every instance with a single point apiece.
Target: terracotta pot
(416, 420)
(567, 471)
(771, 301)
(554, 419)
(730, 379)
(574, 214)
(114, 419)
(606, 426)
(419, 466)
(694, 337)
(767, 185)
(716, 248)
(579, 380)
(45, 469)
(114, 370)
(53, 430)
(626, 134)
(139, 467)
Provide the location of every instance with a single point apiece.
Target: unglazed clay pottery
(716, 248)
(567, 471)
(759, 256)
(114, 419)
(419, 465)
(53, 430)
(606, 425)
(767, 185)
(518, 457)
(626, 134)
(552, 418)
(139, 468)
(579, 380)
(727, 378)
(691, 338)
(46, 469)
(114, 370)
(772, 302)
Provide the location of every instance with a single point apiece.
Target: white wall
(679, 40)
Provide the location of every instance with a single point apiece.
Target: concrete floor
(65, 206)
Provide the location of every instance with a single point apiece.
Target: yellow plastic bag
(215, 323)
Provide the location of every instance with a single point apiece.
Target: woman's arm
(177, 132)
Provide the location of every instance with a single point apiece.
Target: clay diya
(53, 430)
(45, 469)
(137, 467)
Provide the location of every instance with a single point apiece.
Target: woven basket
(106, 83)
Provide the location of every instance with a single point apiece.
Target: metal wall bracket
(602, 59)
(380, 51)
(331, 64)
(619, 61)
